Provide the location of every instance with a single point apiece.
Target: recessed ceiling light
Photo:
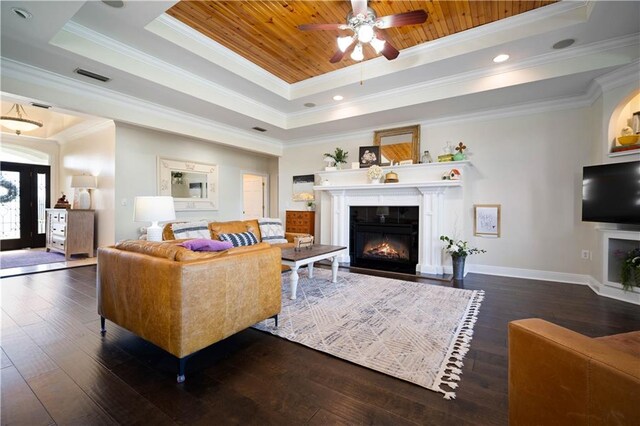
(564, 43)
(309, 104)
(23, 13)
(114, 3)
(338, 97)
(501, 58)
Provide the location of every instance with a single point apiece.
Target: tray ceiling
(265, 32)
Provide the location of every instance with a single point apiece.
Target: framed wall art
(193, 186)
(486, 220)
(303, 188)
(369, 156)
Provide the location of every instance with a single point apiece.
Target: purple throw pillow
(204, 244)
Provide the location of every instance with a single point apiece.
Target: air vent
(114, 3)
(562, 44)
(37, 105)
(259, 129)
(24, 14)
(309, 104)
(91, 75)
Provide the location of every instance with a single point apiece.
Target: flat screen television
(611, 193)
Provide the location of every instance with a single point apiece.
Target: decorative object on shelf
(398, 144)
(303, 242)
(459, 155)
(62, 202)
(325, 182)
(453, 174)
(153, 209)
(391, 177)
(459, 250)
(426, 158)
(339, 156)
(355, 165)
(627, 140)
(486, 220)
(626, 131)
(405, 162)
(445, 158)
(303, 188)
(19, 123)
(311, 206)
(630, 270)
(369, 156)
(193, 186)
(635, 122)
(375, 174)
(331, 165)
(83, 183)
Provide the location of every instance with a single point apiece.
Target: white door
(253, 196)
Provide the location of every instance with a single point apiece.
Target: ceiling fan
(367, 28)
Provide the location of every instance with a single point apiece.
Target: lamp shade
(153, 209)
(84, 181)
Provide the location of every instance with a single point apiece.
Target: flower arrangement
(459, 248)
(339, 156)
(374, 172)
(630, 271)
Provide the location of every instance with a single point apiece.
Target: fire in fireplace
(389, 243)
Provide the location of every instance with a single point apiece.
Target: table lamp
(83, 183)
(153, 209)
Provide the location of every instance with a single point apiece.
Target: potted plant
(310, 206)
(630, 271)
(375, 174)
(339, 156)
(459, 250)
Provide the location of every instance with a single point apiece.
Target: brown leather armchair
(184, 301)
(559, 377)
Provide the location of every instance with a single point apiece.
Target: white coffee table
(307, 256)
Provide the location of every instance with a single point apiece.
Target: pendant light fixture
(19, 123)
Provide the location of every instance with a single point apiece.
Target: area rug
(413, 331)
(16, 259)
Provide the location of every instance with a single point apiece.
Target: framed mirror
(193, 186)
(399, 144)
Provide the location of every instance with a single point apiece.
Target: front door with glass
(24, 195)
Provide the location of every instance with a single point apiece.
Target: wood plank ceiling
(265, 32)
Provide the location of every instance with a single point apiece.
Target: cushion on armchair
(272, 230)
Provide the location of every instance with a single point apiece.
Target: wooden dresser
(301, 221)
(70, 231)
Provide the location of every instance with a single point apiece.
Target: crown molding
(96, 46)
(83, 129)
(76, 95)
(624, 75)
(182, 35)
(559, 104)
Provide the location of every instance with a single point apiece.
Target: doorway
(254, 195)
(24, 195)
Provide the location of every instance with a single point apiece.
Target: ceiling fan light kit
(367, 28)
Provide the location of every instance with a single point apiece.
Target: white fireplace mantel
(417, 188)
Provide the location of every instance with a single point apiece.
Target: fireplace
(384, 238)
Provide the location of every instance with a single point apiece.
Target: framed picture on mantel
(486, 221)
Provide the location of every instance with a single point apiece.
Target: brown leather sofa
(559, 377)
(184, 301)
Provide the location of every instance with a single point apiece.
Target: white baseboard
(532, 274)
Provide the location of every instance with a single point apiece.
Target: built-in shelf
(447, 165)
(623, 153)
(616, 244)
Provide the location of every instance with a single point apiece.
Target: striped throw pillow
(240, 239)
(272, 231)
(191, 230)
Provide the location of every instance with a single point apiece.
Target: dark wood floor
(57, 369)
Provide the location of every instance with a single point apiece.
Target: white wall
(530, 164)
(137, 150)
(93, 153)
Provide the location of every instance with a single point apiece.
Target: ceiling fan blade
(359, 7)
(337, 57)
(388, 51)
(317, 27)
(400, 19)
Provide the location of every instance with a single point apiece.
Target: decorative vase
(375, 181)
(458, 267)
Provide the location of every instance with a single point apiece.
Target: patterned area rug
(15, 259)
(413, 331)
